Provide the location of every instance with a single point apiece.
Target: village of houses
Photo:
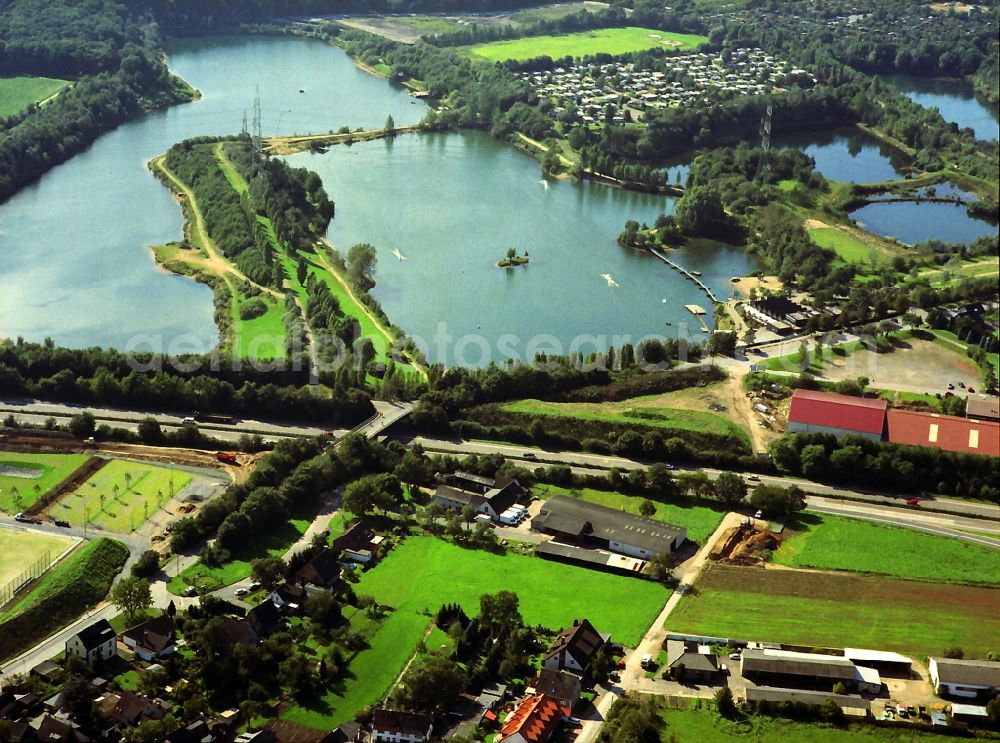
(863, 683)
(590, 88)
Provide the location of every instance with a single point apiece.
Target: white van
(647, 661)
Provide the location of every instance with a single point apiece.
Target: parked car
(242, 591)
(911, 710)
(254, 586)
(901, 711)
(951, 386)
(758, 515)
(734, 656)
(25, 519)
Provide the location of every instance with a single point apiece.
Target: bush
(147, 564)
(252, 309)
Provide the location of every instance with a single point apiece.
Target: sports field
(17, 93)
(835, 543)
(21, 549)
(120, 496)
(599, 41)
(423, 572)
(700, 521)
(26, 477)
(832, 610)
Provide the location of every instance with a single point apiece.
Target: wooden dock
(687, 274)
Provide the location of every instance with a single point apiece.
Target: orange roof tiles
(536, 718)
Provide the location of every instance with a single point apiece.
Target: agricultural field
(26, 477)
(120, 496)
(847, 247)
(835, 543)
(702, 723)
(21, 549)
(605, 40)
(17, 93)
(423, 572)
(700, 521)
(838, 610)
(653, 410)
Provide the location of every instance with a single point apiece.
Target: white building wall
(798, 427)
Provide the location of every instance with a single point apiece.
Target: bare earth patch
(923, 364)
(769, 283)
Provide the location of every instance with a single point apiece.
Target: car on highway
(913, 501)
(753, 478)
(331, 434)
(62, 524)
(188, 421)
(529, 455)
(25, 519)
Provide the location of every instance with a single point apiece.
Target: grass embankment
(642, 411)
(423, 572)
(120, 496)
(835, 543)
(700, 722)
(21, 549)
(840, 610)
(45, 472)
(61, 595)
(275, 543)
(948, 340)
(598, 41)
(17, 93)
(847, 247)
(700, 521)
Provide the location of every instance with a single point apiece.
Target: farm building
(789, 668)
(947, 432)
(94, 642)
(589, 525)
(534, 720)
(964, 678)
(608, 562)
(691, 662)
(484, 494)
(983, 407)
(770, 696)
(887, 663)
(841, 415)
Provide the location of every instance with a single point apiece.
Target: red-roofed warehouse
(944, 432)
(841, 415)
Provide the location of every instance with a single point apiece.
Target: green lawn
(17, 93)
(700, 521)
(605, 40)
(639, 415)
(835, 543)
(121, 495)
(846, 246)
(276, 542)
(831, 610)
(21, 549)
(701, 723)
(17, 493)
(262, 338)
(423, 572)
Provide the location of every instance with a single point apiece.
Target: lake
(850, 156)
(955, 99)
(914, 222)
(453, 204)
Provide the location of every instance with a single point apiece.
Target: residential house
(389, 726)
(48, 729)
(265, 619)
(575, 648)
(323, 571)
(534, 721)
(356, 537)
(577, 522)
(964, 678)
(691, 662)
(155, 638)
(562, 686)
(348, 732)
(132, 709)
(289, 598)
(95, 642)
(241, 632)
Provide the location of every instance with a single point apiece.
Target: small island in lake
(513, 259)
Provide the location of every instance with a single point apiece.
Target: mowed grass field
(700, 722)
(639, 411)
(846, 246)
(835, 543)
(831, 610)
(700, 521)
(17, 93)
(597, 41)
(20, 549)
(423, 572)
(17, 493)
(131, 492)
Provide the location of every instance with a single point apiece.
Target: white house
(95, 642)
(964, 678)
(389, 726)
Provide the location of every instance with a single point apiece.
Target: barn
(947, 432)
(842, 415)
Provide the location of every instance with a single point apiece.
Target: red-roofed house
(944, 432)
(534, 721)
(841, 415)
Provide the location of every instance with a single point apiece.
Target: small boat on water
(399, 256)
(610, 279)
(302, 90)
(695, 273)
